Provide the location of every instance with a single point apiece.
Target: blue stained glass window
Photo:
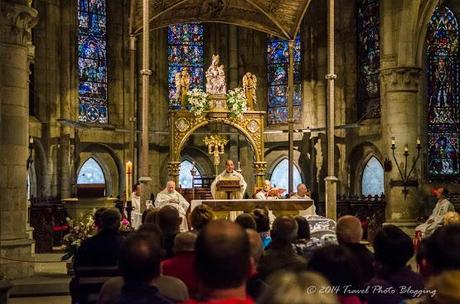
(372, 182)
(443, 74)
(92, 61)
(368, 31)
(280, 175)
(185, 49)
(277, 75)
(185, 175)
(91, 173)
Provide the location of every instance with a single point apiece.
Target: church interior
(358, 100)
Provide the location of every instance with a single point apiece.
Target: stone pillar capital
(16, 22)
(401, 79)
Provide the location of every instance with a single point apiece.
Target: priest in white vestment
(436, 218)
(229, 173)
(169, 196)
(303, 193)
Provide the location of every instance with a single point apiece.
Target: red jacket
(181, 267)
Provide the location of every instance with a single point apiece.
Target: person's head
(302, 190)
(150, 216)
(109, 220)
(303, 231)
(337, 264)
(137, 189)
(255, 242)
(443, 249)
(184, 241)
(222, 255)
(267, 185)
(349, 230)
(169, 220)
(229, 166)
(246, 221)
(392, 248)
(200, 216)
(439, 192)
(451, 217)
(97, 217)
(293, 288)
(284, 231)
(261, 218)
(171, 186)
(140, 257)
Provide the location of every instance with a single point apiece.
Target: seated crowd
(249, 260)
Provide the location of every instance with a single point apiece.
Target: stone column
(16, 20)
(399, 113)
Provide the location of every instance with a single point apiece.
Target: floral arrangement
(236, 102)
(78, 232)
(125, 226)
(198, 101)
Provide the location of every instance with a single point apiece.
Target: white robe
(262, 195)
(136, 214)
(226, 175)
(310, 210)
(436, 218)
(176, 200)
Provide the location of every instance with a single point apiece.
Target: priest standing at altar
(229, 173)
(169, 196)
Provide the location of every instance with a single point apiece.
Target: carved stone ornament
(16, 23)
(182, 124)
(401, 79)
(253, 126)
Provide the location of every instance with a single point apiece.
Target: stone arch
(110, 162)
(40, 169)
(357, 160)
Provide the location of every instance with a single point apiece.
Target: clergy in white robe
(169, 196)
(268, 192)
(229, 173)
(436, 218)
(136, 213)
(302, 193)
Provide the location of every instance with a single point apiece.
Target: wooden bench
(87, 282)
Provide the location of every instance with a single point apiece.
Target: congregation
(252, 260)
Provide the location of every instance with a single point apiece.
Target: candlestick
(393, 143)
(418, 142)
(406, 149)
(129, 169)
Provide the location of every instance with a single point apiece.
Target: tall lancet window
(185, 50)
(92, 61)
(442, 68)
(368, 27)
(277, 75)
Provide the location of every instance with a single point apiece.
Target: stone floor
(49, 284)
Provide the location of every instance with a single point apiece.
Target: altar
(249, 204)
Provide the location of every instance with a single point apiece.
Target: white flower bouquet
(198, 101)
(236, 102)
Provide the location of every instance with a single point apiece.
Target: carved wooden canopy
(281, 18)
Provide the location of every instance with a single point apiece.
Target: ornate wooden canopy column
(184, 123)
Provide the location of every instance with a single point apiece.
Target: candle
(393, 142)
(129, 170)
(193, 164)
(418, 141)
(406, 149)
(239, 165)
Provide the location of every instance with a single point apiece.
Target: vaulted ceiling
(281, 18)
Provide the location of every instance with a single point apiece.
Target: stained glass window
(185, 50)
(443, 73)
(372, 178)
(280, 175)
(277, 75)
(185, 174)
(368, 27)
(92, 61)
(91, 173)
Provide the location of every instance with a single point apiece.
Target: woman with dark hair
(200, 216)
(304, 245)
